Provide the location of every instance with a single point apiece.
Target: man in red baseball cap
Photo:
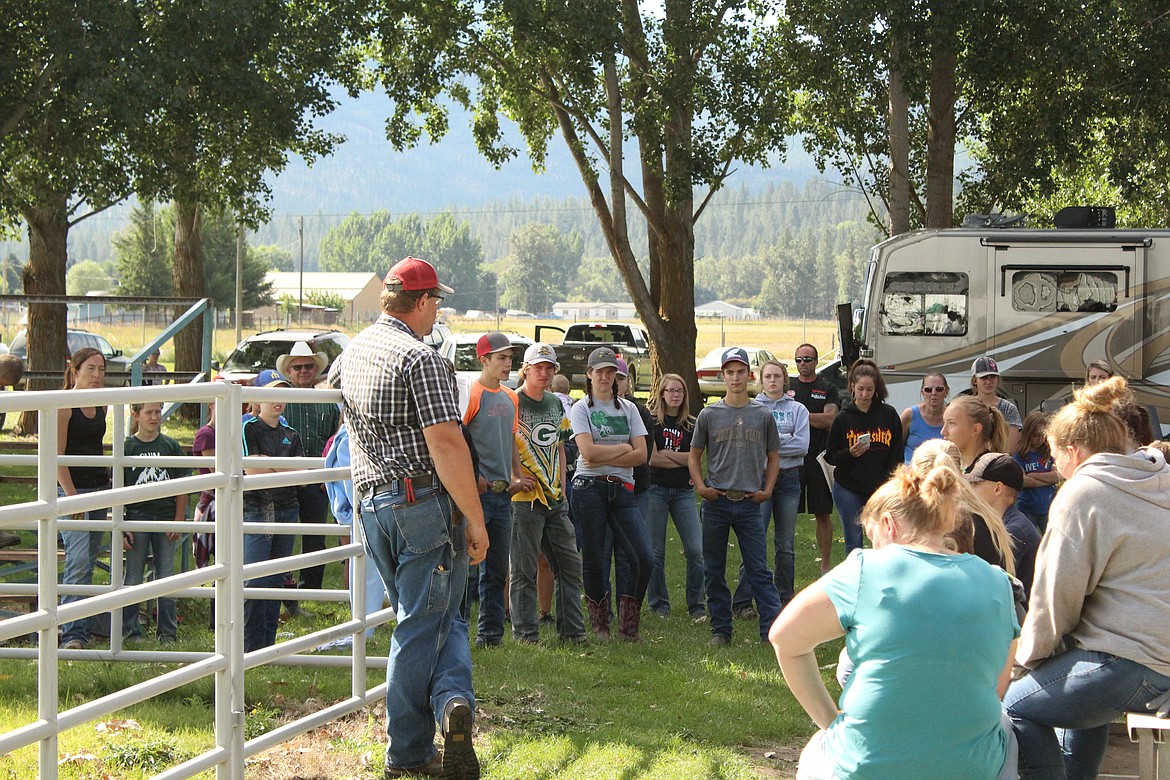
(411, 273)
(411, 469)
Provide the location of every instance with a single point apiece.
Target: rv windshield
(924, 303)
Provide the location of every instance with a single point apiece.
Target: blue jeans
(1063, 709)
(679, 503)
(422, 557)
(163, 549)
(262, 616)
(81, 554)
(720, 517)
(539, 529)
(605, 506)
(849, 506)
(493, 574)
(783, 507)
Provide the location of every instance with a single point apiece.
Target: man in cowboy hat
(315, 422)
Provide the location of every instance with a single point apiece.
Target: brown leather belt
(399, 485)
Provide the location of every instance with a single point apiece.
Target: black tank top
(84, 437)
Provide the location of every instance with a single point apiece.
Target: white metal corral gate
(222, 580)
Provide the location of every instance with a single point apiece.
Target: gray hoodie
(1103, 569)
(791, 420)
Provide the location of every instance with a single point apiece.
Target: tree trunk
(940, 139)
(188, 282)
(899, 118)
(48, 231)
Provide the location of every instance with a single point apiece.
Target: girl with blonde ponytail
(979, 524)
(1095, 638)
(903, 607)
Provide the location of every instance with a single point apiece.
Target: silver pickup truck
(631, 342)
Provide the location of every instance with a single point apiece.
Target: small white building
(576, 311)
(728, 311)
(360, 291)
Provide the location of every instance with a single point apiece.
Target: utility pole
(239, 282)
(301, 230)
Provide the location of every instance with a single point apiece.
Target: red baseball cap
(411, 273)
(492, 342)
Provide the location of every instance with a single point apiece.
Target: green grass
(669, 708)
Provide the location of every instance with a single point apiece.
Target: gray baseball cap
(603, 357)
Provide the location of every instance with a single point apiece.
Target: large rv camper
(1043, 303)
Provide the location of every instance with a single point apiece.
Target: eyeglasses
(438, 298)
(673, 390)
(934, 389)
(805, 359)
(303, 367)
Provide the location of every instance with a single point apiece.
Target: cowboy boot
(629, 619)
(599, 618)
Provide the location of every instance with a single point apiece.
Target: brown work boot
(629, 619)
(9, 539)
(459, 759)
(599, 618)
(433, 768)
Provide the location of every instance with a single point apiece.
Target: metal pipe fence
(223, 580)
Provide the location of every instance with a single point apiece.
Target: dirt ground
(345, 749)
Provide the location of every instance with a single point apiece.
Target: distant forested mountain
(757, 210)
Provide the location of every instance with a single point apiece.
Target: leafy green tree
(349, 246)
(68, 105)
(326, 298)
(87, 276)
(540, 268)
(142, 251)
(219, 250)
(1094, 111)
(690, 87)
(11, 273)
(376, 242)
(238, 87)
(598, 280)
(276, 258)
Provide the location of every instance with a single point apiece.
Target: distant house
(360, 291)
(728, 311)
(595, 310)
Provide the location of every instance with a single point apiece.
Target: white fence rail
(222, 580)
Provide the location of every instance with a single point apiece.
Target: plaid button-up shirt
(392, 386)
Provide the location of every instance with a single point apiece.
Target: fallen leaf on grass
(76, 758)
(118, 725)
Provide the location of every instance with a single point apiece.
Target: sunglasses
(804, 359)
(934, 389)
(303, 367)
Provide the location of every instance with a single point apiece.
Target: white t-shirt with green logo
(606, 423)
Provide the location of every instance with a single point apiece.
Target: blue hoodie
(791, 420)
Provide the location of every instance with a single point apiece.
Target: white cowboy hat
(301, 349)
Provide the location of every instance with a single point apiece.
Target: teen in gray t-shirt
(737, 441)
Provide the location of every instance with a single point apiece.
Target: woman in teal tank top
(931, 634)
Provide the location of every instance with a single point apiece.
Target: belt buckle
(498, 486)
(735, 495)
